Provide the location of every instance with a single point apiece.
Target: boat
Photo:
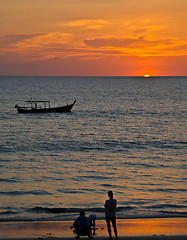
(35, 107)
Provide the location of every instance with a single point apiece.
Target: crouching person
(82, 225)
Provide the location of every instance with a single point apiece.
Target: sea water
(125, 134)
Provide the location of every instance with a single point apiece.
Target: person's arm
(75, 224)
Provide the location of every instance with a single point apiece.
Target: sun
(146, 75)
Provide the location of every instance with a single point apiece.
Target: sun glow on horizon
(146, 75)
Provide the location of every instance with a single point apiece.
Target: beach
(163, 228)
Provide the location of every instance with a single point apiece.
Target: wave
(73, 210)
(127, 210)
(183, 213)
(100, 146)
(173, 190)
(8, 180)
(8, 213)
(18, 193)
(158, 206)
(69, 214)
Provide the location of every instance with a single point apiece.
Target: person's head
(110, 194)
(82, 213)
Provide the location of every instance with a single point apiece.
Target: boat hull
(66, 108)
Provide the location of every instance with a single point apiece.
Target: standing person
(110, 214)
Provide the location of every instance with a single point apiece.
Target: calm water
(126, 134)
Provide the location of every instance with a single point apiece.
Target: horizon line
(92, 76)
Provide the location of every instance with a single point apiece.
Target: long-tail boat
(35, 108)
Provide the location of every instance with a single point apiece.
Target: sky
(93, 37)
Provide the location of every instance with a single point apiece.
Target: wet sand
(129, 229)
(105, 238)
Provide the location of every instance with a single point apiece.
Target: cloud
(140, 46)
(49, 39)
(88, 23)
(36, 46)
(35, 39)
(140, 30)
(40, 46)
(11, 39)
(122, 42)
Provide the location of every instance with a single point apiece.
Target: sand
(106, 238)
(129, 229)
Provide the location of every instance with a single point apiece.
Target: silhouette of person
(82, 225)
(110, 214)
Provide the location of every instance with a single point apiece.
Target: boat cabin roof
(38, 101)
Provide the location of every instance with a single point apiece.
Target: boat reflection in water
(35, 108)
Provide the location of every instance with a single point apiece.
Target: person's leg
(114, 227)
(108, 227)
(89, 233)
(77, 237)
(77, 232)
(93, 226)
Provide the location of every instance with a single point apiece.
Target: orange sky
(93, 37)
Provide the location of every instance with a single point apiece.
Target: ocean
(125, 134)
